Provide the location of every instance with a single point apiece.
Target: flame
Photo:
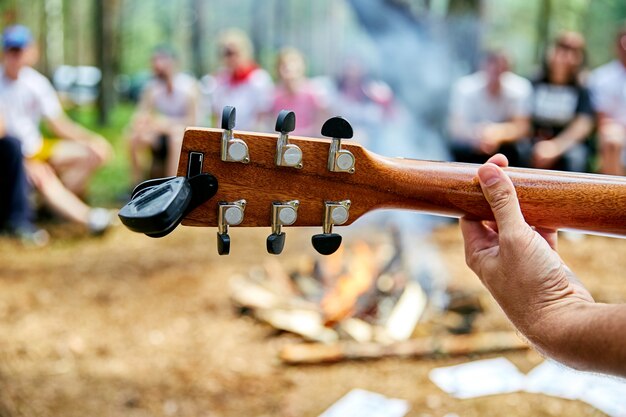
(339, 303)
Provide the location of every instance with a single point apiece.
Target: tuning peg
(335, 213)
(228, 214)
(287, 154)
(339, 160)
(283, 214)
(233, 149)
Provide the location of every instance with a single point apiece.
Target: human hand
(613, 133)
(489, 138)
(100, 149)
(545, 154)
(519, 264)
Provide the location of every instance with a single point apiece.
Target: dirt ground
(125, 325)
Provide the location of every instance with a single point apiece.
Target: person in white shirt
(241, 83)
(489, 112)
(608, 93)
(58, 169)
(168, 105)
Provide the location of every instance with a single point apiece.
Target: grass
(113, 180)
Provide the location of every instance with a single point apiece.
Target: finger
(499, 160)
(550, 236)
(491, 225)
(477, 236)
(501, 196)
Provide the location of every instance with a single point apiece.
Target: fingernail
(489, 175)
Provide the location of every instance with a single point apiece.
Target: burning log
(339, 303)
(449, 345)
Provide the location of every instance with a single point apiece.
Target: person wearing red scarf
(241, 82)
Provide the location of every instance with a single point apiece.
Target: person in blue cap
(58, 169)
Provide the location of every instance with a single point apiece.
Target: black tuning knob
(223, 243)
(337, 127)
(286, 121)
(326, 243)
(339, 160)
(275, 243)
(335, 213)
(229, 115)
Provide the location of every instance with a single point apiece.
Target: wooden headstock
(261, 183)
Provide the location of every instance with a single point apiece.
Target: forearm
(512, 131)
(66, 129)
(586, 336)
(576, 132)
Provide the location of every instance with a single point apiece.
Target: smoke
(417, 56)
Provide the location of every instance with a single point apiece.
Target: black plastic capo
(158, 206)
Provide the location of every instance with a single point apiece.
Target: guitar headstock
(274, 180)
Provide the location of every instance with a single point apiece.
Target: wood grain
(588, 202)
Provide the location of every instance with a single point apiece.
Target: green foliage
(112, 181)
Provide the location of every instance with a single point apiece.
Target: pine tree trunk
(104, 39)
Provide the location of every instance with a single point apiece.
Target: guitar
(232, 178)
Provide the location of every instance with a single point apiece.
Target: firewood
(306, 323)
(449, 345)
(407, 312)
(249, 294)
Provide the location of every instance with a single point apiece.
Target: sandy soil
(125, 325)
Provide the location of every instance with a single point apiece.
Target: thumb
(501, 196)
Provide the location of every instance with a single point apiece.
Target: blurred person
(58, 169)
(15, 212)
(608, 87)
(562, 114)
(241, 82)
(368, 103)
(167, 106)
(521, 268)
(489, 112)
(295, 92)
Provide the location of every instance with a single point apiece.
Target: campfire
(363, 302)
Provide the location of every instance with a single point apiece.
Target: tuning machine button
(283, 214)
(287, 154)
(233, 149)
(339, 160)
(336, 213)
(228, 214)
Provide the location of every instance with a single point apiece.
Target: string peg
(228, 214)
(233, 149)
(339, 160)
(283, 214)
(287, 154)
(336, 213)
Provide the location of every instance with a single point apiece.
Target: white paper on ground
(479, 378)
(607, 394)
(551, 378)
(363, 403)
(499, 376)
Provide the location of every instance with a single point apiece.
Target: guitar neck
(551, 199)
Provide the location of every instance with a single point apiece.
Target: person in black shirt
(562, 113)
